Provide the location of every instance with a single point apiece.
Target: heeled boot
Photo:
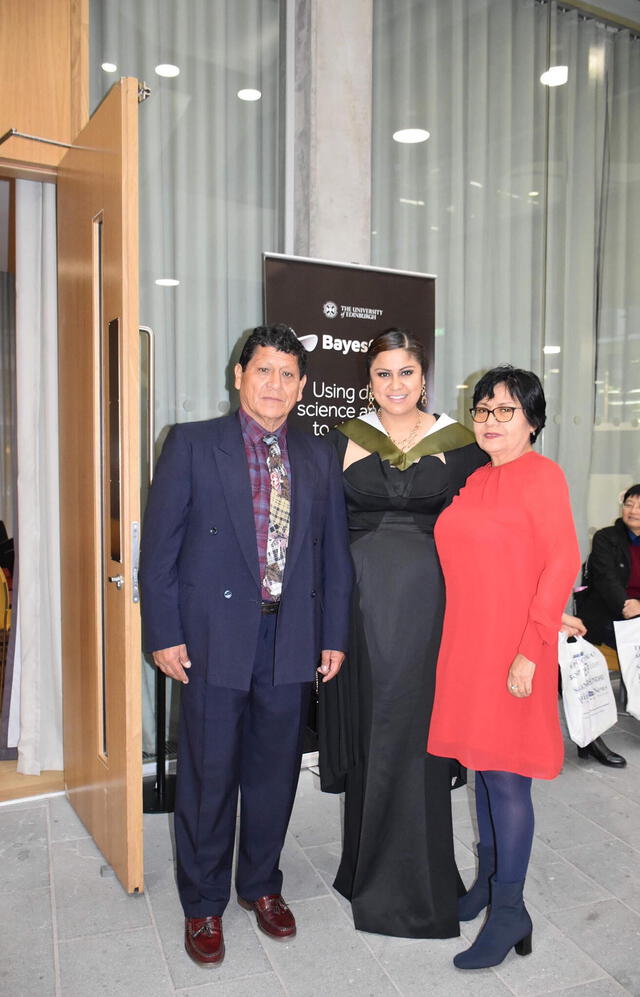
(507, 926)
(477, 897)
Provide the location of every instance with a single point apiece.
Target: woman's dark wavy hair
(396, 339)
(524, 386)
(631, 493)
(281, 337)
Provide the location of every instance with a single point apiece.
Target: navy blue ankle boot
(477, 898)
(508, 926)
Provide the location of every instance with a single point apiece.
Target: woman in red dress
(509, 554)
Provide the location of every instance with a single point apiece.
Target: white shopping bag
(587, 696)
(628, 646)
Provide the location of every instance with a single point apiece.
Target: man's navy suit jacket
(199, 573)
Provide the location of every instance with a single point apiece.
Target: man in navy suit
(243, 634)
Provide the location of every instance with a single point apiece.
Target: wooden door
(100, 479)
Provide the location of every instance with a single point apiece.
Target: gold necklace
(405, 444)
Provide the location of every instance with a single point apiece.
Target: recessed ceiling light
(109, 67)
(249, 94)
(167, 69)
(555, 76)
(552, 349)
(167, 282)
(474, 183)
(410, 136)
(461, 387)
(534, 193)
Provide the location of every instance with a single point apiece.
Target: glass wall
(524, 202)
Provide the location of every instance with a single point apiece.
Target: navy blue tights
(505, 821)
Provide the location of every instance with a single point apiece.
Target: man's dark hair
(631, 493)
(281, 337)
(523, 385)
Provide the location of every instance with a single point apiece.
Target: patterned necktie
(279, 518)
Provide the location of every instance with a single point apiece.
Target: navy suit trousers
(231, 740)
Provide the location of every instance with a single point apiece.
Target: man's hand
(631, 608)
(330, 664)
(520, 677)
(572, 626)
(173, 661)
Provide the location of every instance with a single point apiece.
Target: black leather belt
(266, 608)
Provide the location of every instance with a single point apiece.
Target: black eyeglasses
(502, 413)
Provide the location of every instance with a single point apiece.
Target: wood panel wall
(44, 76)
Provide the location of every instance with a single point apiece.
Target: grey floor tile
(64, 823)
(159, 849)
(556, 885)
(24, 852)
(301, 880)
(26, 972)
(326, 859)
(263, 985)
(118, 964)
(555, 962)
(598, 988)
(557, 824)
(610, 933)
(244, 955)
(620, 816)
(334, 961)
(86, 901)
(420, 967)
(305, 826)
(614, 865)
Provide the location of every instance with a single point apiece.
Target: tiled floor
(67, 929)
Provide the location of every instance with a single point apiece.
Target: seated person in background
(613, 589)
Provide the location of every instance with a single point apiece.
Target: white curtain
(210, 182)
(509, 201)
(7, 397)
(36, 702)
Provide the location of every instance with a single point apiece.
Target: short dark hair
(396, 339)
(524, 386)
(631, 493)
(281, 337)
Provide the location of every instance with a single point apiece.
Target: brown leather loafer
(203, 940)
(273, 915)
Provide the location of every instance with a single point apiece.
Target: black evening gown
(398, 867)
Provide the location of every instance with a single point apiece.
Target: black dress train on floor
(397, 868)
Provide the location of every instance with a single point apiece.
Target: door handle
(118, 581)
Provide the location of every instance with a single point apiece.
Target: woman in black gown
(402, 466)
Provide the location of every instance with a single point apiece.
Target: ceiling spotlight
(555, 76)
(249, 94)
(167, 282)
(167, 69)
(409, 136)
(534, 193)
(552, 349)
(109, 67)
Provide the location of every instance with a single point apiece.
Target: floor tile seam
(107, 933)
(234, 979)
(154, 928)
(265, 948)
(612, 834)
(54, 912)
(563, 990)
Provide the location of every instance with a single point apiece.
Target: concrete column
(333, 129)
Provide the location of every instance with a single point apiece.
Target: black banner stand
(159, 790)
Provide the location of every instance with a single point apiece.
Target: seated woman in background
(613, 592)
(509, 555)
